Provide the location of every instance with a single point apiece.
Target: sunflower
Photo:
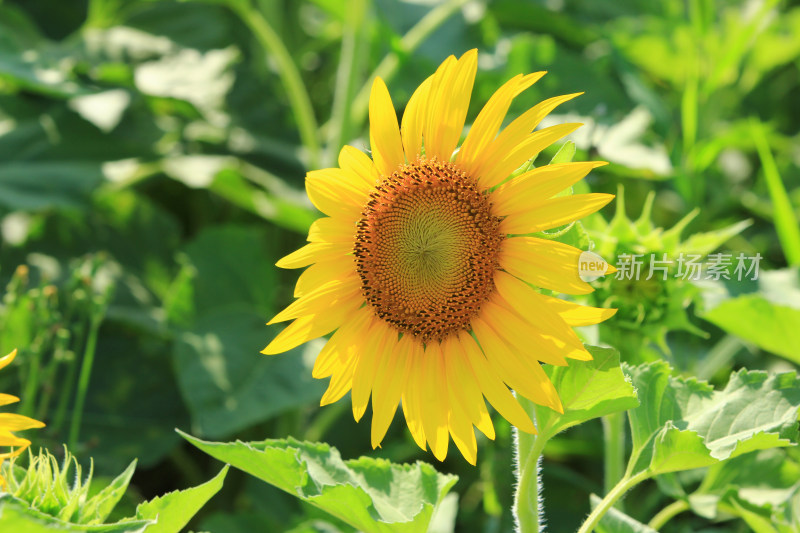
(10, 422)
(424, 267)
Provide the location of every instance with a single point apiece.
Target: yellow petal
(341, 382)
(337, 192)
(466, 393)
(318, 274)
(320, 300)
(6, 399)
(5, 360)
(360, 165)
(510, 156)
(390, 381)
(315, 252)
(384, 132)
(554, 212)
(548, 264)
(536, 186)
(523, 374)
(435, 404)
(492, 387)
(311, 326)
(410, 397)
(434, 107)
(374, 352)
(414, 121)
(332, 229)
(578, 315)
(526, 341)
(7, 439)
(531, 305)
(449, 104)
(519, 129)
(490, 118)
(14, 422)
(342, 345)
(462, 432)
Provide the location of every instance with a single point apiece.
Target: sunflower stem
(296, 91)
(614, 450)
(528, 503)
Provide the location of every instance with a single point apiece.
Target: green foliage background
(152, 156)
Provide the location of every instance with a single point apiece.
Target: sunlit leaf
(588, 389)
(173, 511)
(370, 494)
(685, 423)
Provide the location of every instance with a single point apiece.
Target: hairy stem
(527, 509)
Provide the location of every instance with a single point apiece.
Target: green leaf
(370, 494)
(173, 511)
(768, 477)
(588, 389)
(42, 184)
(16, 516)
(227, 384)
(615, 521)
(685, 423)
(754, 318)
(97, 509)
(242, 274)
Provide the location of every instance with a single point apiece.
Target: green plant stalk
(624, 485)
(528, 449)
(339, 127)
(69, 383)
(667, 513)
(689, 116)
(83, 380)
(786, 223)
(32, 379)
(296, 91)
(388, 66)
(613, 450)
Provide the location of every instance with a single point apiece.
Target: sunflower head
(426, 266)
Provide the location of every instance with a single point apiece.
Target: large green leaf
(228, 385)
(588, 389)
(685, 423)
(35, 185)
(234, 267)
(766, 481)
(769, 318)
(372, 495)
(133, 404)
(773, 327)
(173, 511)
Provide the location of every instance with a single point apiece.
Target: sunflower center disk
(426, 249)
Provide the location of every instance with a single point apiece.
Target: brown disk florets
(426, 249)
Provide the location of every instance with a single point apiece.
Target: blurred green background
(152, 157)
